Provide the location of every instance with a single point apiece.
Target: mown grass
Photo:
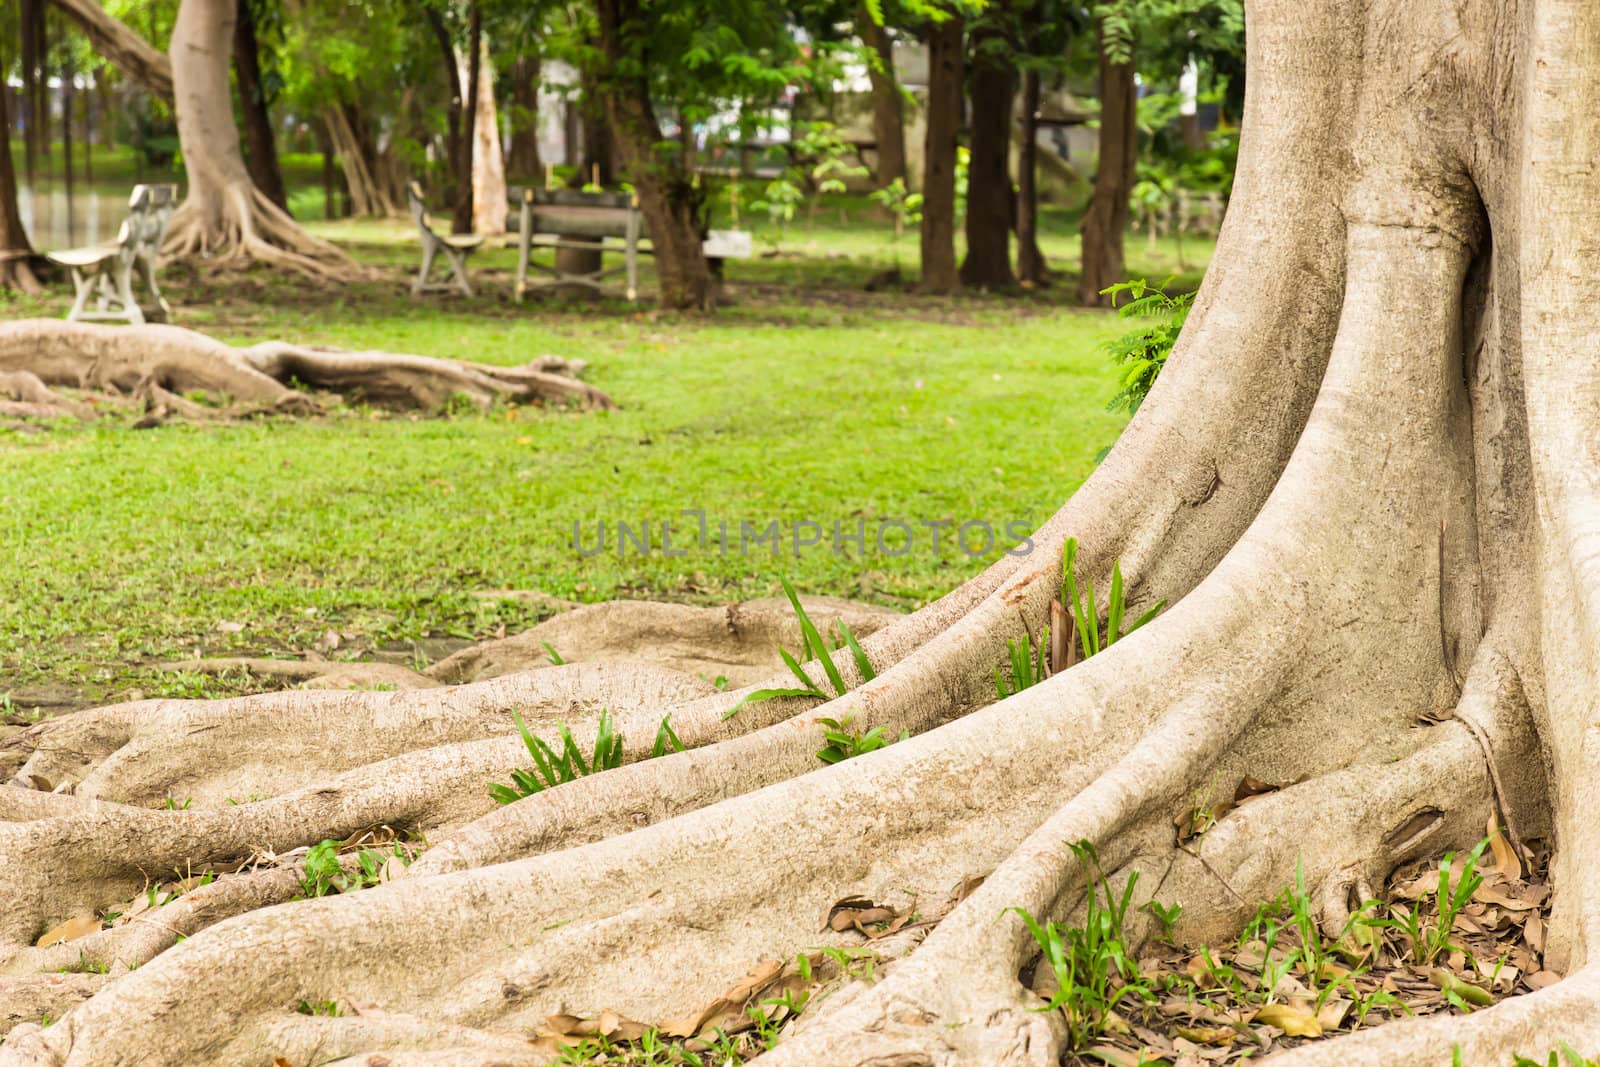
(805, 399)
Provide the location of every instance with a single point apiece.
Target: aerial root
(35, 998)
(162, 365)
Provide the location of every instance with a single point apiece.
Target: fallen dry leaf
(71, 930)
(1292, 1021)
(1505, 857)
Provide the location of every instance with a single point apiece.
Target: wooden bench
(555, 218)
(106, 271)
(455, 246)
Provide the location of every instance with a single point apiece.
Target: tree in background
(690, 60)
(944, 34)
(16, 253)
(991, 88)
(258, 84)
(888, 99)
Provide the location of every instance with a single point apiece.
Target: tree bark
(523, 163)
(461, 216)
(261, 157)
(888, 108)
(1365, 482)
(224, 215)
(990, 207)
(1030, 260)
(16, 253)
(667, 198)
(488, 163)
(1105, 220)
(939, 157)
(456, 151)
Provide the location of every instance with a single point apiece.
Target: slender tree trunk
(990, 210)
(1105, 220)
(34, 87)
(888, 108)
(456, 154)
(488, 161)
(461, 216)
(1030, 260)
(16, 253)
(523, 163)
(330, 178)
(88, 128)
(224, 215)
(356, 150)
(669, 201)
(939, 157)
(261, 157)
(68, 95)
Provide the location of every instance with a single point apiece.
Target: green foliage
(1093, 969)
(328, 1008)
(552, 768)
(905, 207)
(844, 743)
(814, 648)
(1028, 668)
(1142, 353)
(324, 875)
(1085, 612)
(1451, 895)
(1569, 1057)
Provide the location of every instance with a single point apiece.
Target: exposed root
(161, 365)
(239, 225)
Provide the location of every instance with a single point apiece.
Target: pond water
(55, 222)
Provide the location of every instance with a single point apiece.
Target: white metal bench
(455, 246)
(106, 271)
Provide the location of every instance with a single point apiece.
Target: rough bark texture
(945, 63)
(262, 159)
(16, 253)
(224, 216)
(1105, 220)
(667, 197)
(1367, 479)
(888, 107)
(1030, 260)
(990, 209)
(157, 365)
(489, 205)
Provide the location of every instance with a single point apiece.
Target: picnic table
(571, 218)
(105, 271)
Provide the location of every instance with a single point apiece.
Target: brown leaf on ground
(71, 930)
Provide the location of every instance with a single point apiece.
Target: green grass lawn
(805, 400)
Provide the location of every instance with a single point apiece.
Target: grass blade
(814, 641)
(863, 664)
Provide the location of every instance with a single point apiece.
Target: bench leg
(147, 265)
(632, 255)
(458, 269)
(84, 285)
(524, 249)
(427, 265)
(130, 306)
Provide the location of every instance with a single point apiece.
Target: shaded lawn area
(806, 400)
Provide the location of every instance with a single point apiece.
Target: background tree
(691, 61)
(16, 253)
(258, 19)
(888, 98)
(991, 80)
(944, 35)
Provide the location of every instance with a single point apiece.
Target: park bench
(455, 246)
(571, 218)
(106, 271)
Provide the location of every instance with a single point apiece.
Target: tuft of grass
(813, 648)
(844, 743)
(1029, 665)
(324, 875)
(552, 766)
(1085, 612)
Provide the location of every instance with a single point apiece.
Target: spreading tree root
(1366, 480)
(156, 365)
(244, 227)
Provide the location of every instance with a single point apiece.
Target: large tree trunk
(1030, 260)
(16, 253)
(1366, 481)
(262, 158)
(667, 197)
(990, 209)
(488, 162)
(939, 157)
(523, 162)
(888, 109)
(225, 217)
(1105, 220)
